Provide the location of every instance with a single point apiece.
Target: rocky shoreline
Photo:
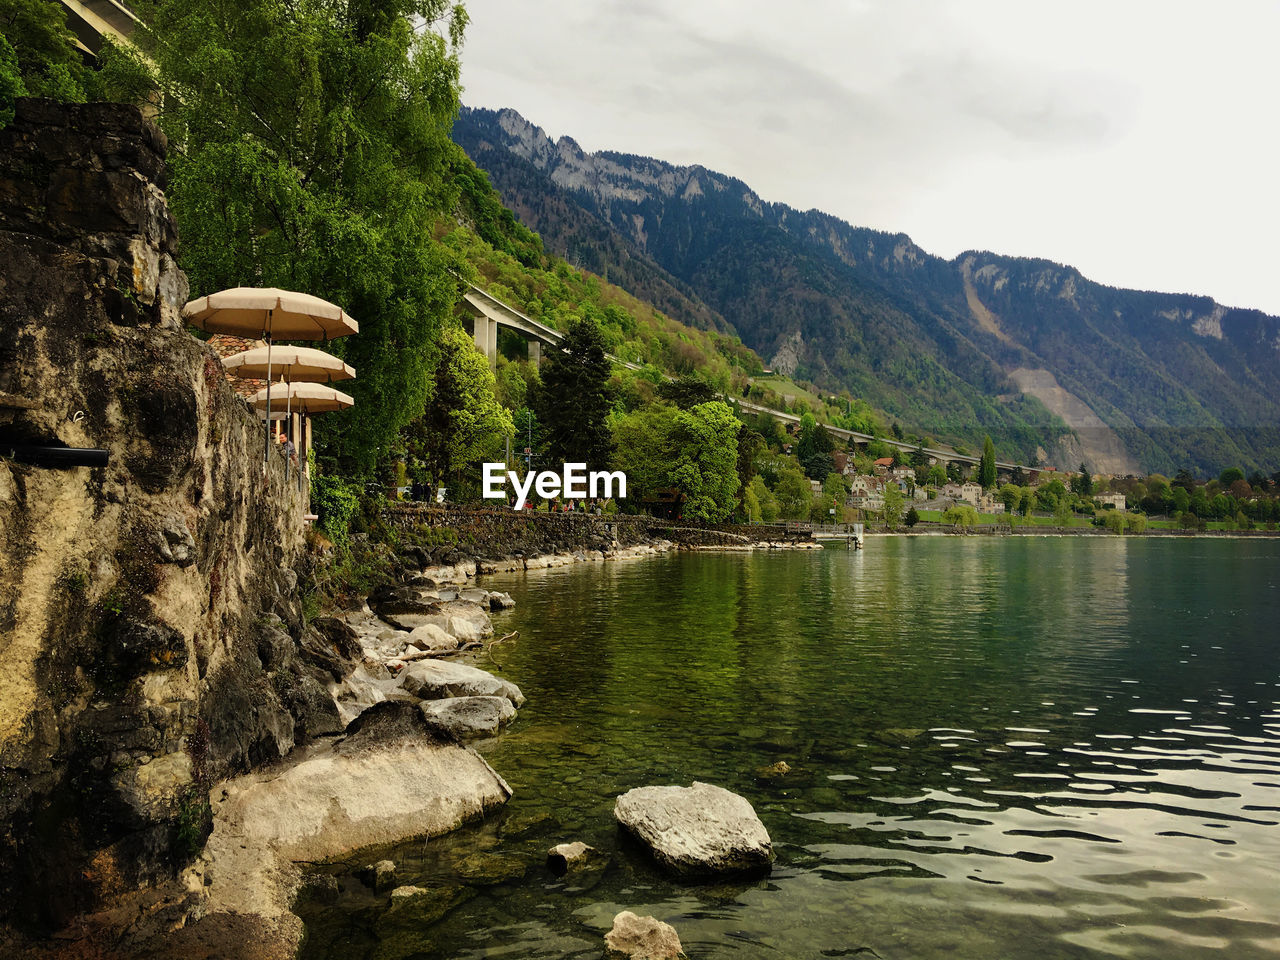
(400, 770)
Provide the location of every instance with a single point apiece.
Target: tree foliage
(892, 506)
(463, 421)
(38, 56)
(573, 403)
(704, 467)
(987, 465)
(310, 151)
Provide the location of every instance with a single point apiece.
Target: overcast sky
(1137, 141)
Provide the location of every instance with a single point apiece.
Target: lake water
(1000, 748)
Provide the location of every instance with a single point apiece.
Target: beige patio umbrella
(302, 364)
(294, 364)
(308, 398)
(269, 312)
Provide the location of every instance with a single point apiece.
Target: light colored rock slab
(470, 717)
(697, 830)
(436, 679)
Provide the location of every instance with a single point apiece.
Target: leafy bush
(335, 501)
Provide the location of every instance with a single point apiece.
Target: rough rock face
(642, 938)
(150, 640)
(469, 717)
(391, 777)
(696, 830)
(434, 679)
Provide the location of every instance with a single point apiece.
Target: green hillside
(980, 344)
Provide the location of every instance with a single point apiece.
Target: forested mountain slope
(979, 344)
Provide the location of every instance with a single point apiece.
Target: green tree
(687, 391)
(987, 465)
(1230, 476)
(1115, 521)
(1062, 512)
(750, 446)
(892, 506)
(463, 421)
(1011, 497)
(643, 448)
(1082, 483)
(38, 56)
(750, 505)
(764, 496)
(912, 517)
(704, 468)
(793, 492)
(310, 151)
(1137, 523)
(573, 402)
(961, 516)
(814, 448)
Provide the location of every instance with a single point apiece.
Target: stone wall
(150, 640)
(494, 534)
(500, 533)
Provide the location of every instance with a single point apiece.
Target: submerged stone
(642, 938)
(697, 830)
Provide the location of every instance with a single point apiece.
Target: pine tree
(987, 466)
(573, 402)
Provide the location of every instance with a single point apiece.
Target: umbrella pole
(266, 442)
(288, 417)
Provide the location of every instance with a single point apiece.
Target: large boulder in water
(437, 679)
(469, 717)
(697, 830)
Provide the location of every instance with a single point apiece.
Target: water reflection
(1064, 747)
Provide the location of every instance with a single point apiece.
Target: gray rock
(380, 876)
(642, 938)
(470, 717)
(432, 638)
(696, 830)
(174, 542)
(408, 893)
(564, 857)
(500, 601)
(773, 770)
(437, 679)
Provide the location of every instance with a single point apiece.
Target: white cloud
(1133, 140)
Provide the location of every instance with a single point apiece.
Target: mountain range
(1052, 365)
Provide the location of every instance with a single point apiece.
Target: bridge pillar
(535, 352)
(485, 332)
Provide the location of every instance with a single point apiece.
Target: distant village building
(883, 464)
(969, 493)
(865, 485)
(1111, 499)
(866, 501)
